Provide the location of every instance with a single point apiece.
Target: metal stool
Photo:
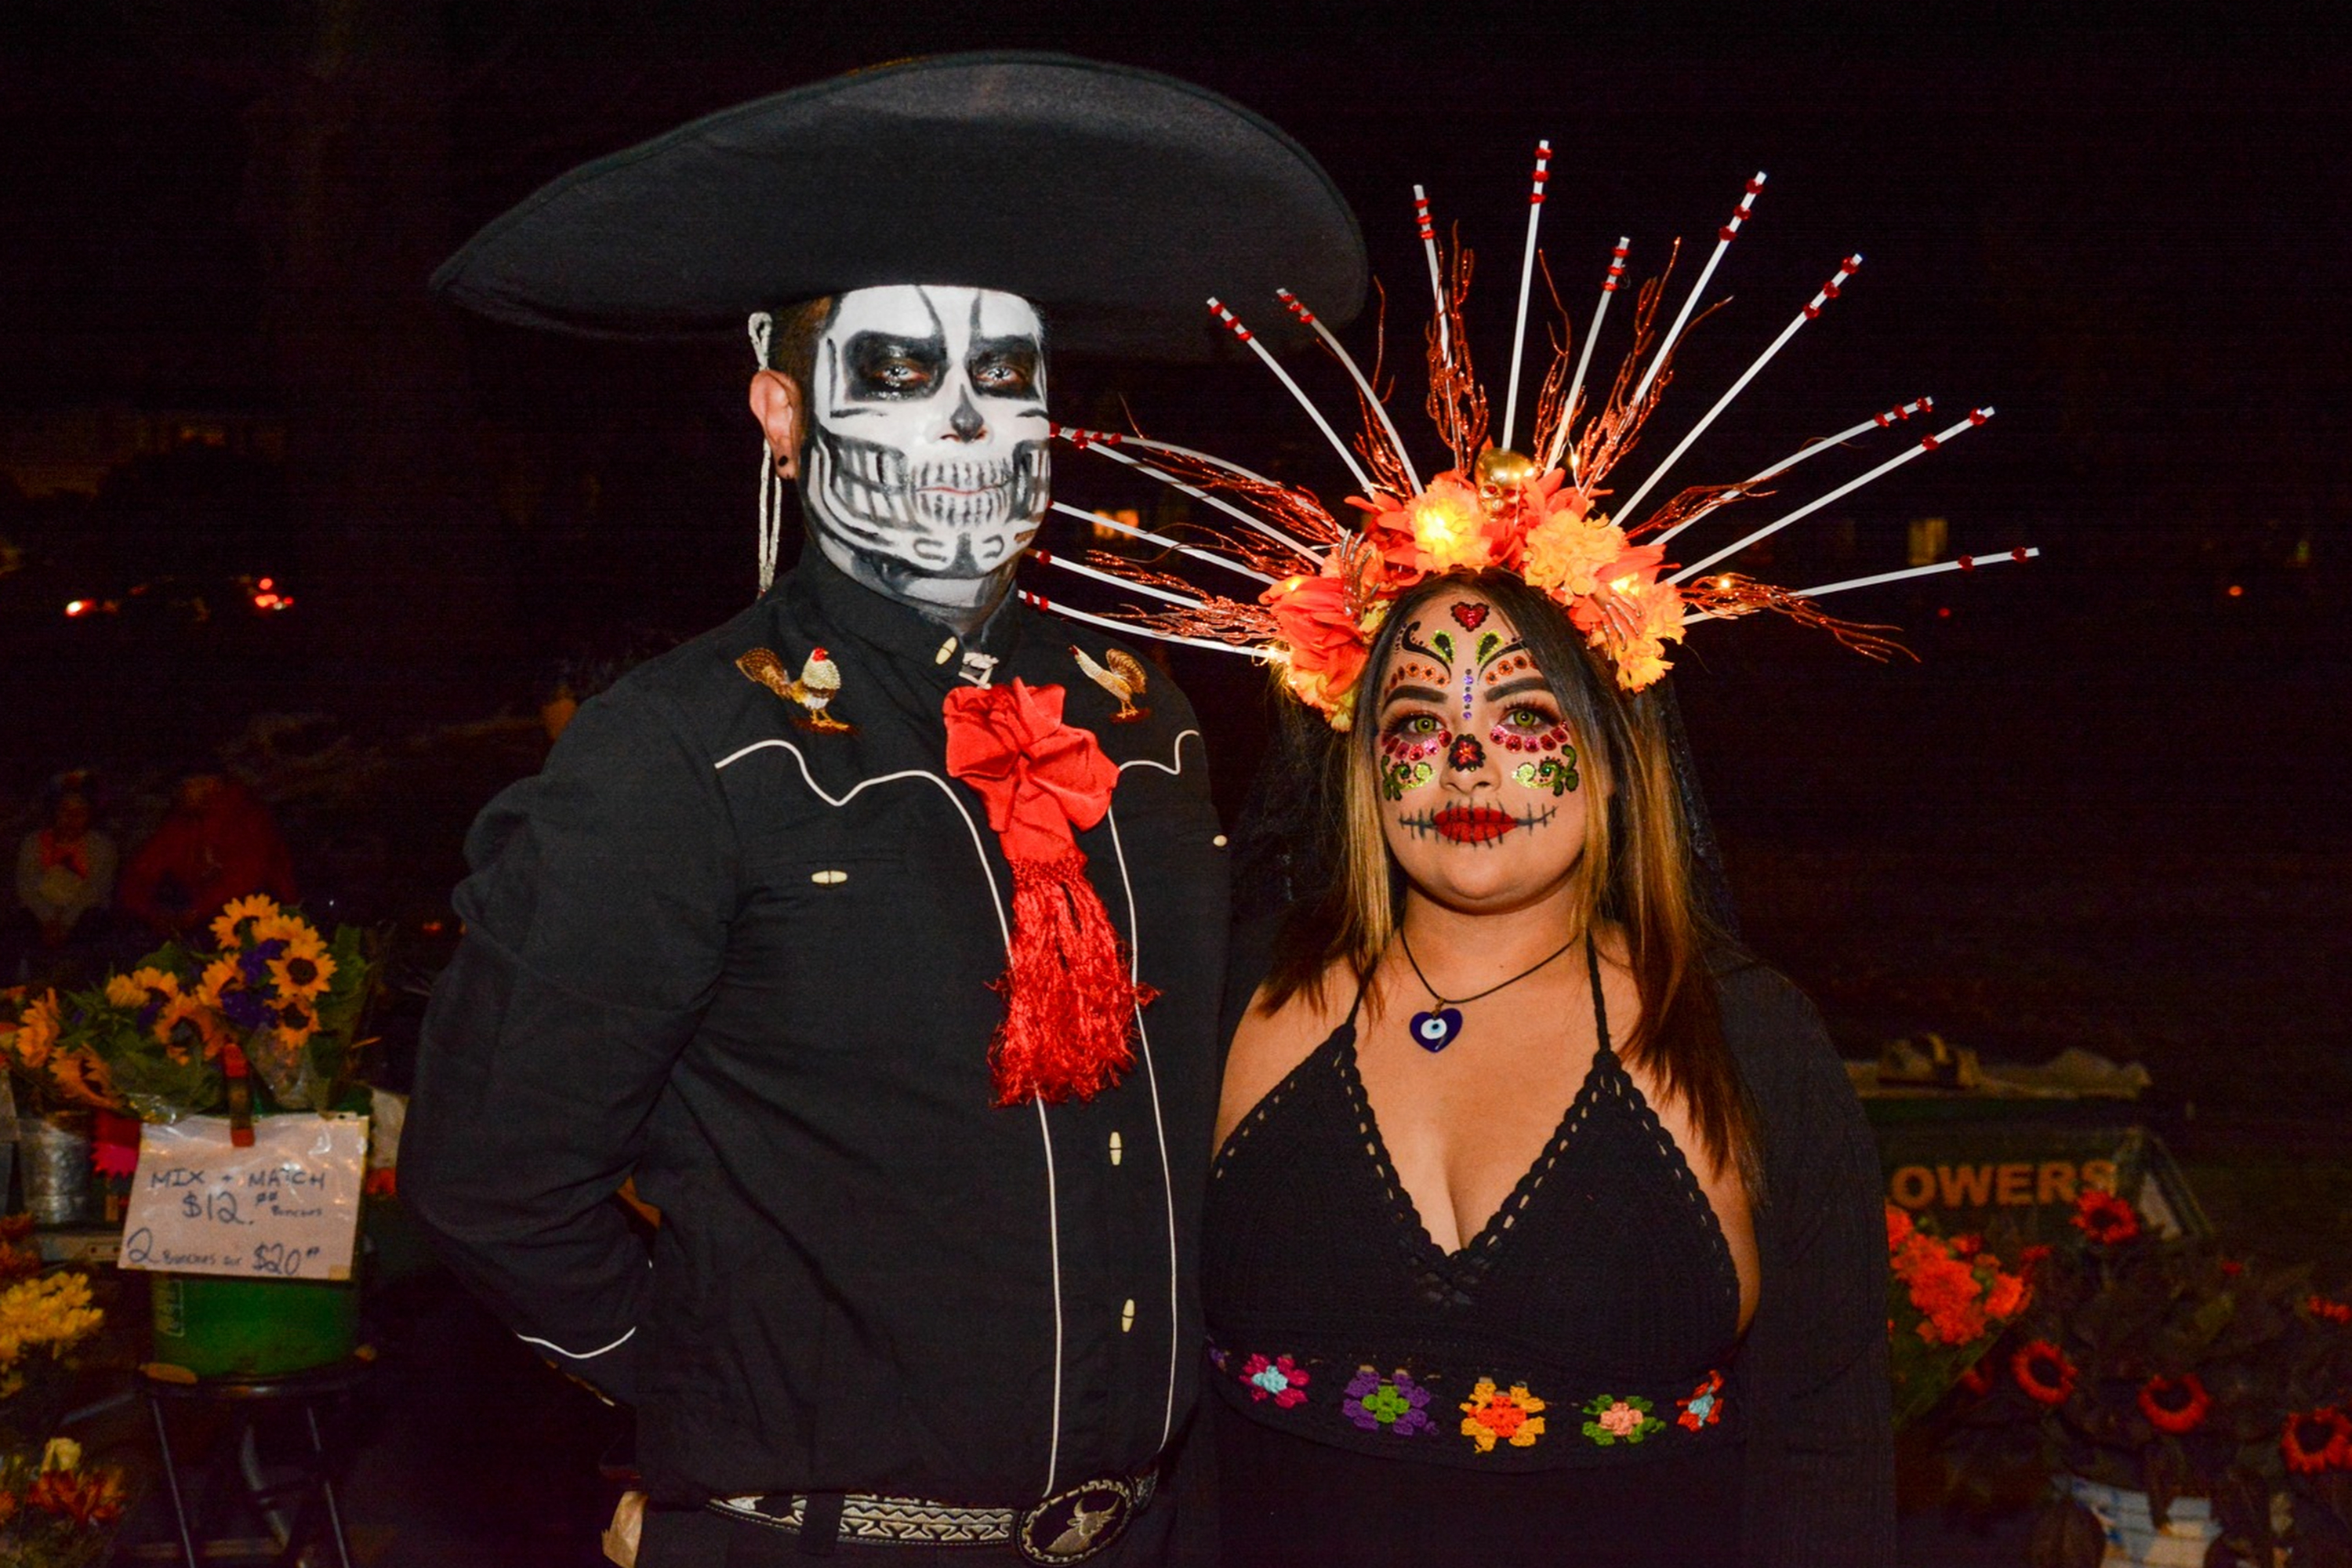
(317, 1517)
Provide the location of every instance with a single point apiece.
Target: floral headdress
(1551, 520)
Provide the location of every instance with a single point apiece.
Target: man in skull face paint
(917, 433)
(757, 933)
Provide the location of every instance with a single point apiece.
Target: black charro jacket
(752, 964)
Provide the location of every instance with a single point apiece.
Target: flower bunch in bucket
(1948, 1302)
(44, 1315)
(2163, 1368)
(56, 1512)
(264, 1018)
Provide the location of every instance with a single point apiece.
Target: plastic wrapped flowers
(266, 1016)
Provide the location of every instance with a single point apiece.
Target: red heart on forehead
(1470, 617)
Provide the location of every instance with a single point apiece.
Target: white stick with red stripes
(1363, 480)
(1809, 450)
(1925, 445)
(1829, 292)
(1437, 283)
(1396, 442)
(1584, 358)
(1723, 238)
(1962, 564)
(1527, 283)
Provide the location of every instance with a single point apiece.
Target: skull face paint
(925, 465)
(1406, 748)
(1474, 767)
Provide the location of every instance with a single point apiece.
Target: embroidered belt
(1074, 1524)
(1495, 1414)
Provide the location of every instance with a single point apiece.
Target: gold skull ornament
(1500, 472)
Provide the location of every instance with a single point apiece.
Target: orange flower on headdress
(1445, 528)
(1657, 610)
(1570, 552)
(1326, 643)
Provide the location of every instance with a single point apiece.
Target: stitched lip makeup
(1473, 824)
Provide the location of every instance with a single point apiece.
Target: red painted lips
(1473, 824)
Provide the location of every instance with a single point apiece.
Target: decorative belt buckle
(1074, 1525)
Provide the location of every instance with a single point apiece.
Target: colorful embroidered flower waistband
(1460, 1415)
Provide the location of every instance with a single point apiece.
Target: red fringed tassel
(1069, 1003)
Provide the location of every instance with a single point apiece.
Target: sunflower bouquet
(265, 1016)
(2164, 1365)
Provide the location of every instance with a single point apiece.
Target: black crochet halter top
(1592, 1322)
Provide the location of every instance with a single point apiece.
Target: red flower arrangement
(2175, 1404)
(2043, 1370)
(2158, 1364)
(1948, 1300)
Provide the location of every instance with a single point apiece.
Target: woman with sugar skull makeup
(1514, 1148)
(887, 954)
(1543, 1225)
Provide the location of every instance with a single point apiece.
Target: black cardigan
(1821, 1448)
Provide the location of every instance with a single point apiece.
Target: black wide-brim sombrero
(1117, 200)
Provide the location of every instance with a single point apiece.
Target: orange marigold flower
(2175, 1404)
(1899, 1226)
(1568, 555)
(2045, 1375)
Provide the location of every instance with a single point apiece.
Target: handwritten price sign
(285, 1209)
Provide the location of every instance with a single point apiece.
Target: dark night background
(2103, 810)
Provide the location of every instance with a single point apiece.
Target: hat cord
(762, 326)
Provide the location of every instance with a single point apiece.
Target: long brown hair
(1635, 871)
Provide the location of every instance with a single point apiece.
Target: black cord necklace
(1442, 1025)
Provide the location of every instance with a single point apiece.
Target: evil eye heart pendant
(1435, 1031)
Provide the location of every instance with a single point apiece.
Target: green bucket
(215, 1326)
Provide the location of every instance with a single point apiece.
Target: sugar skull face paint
(1557, 774)
(1474, 762)
(1409, 747)
(927, 452)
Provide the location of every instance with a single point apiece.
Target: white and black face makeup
(925, 460)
